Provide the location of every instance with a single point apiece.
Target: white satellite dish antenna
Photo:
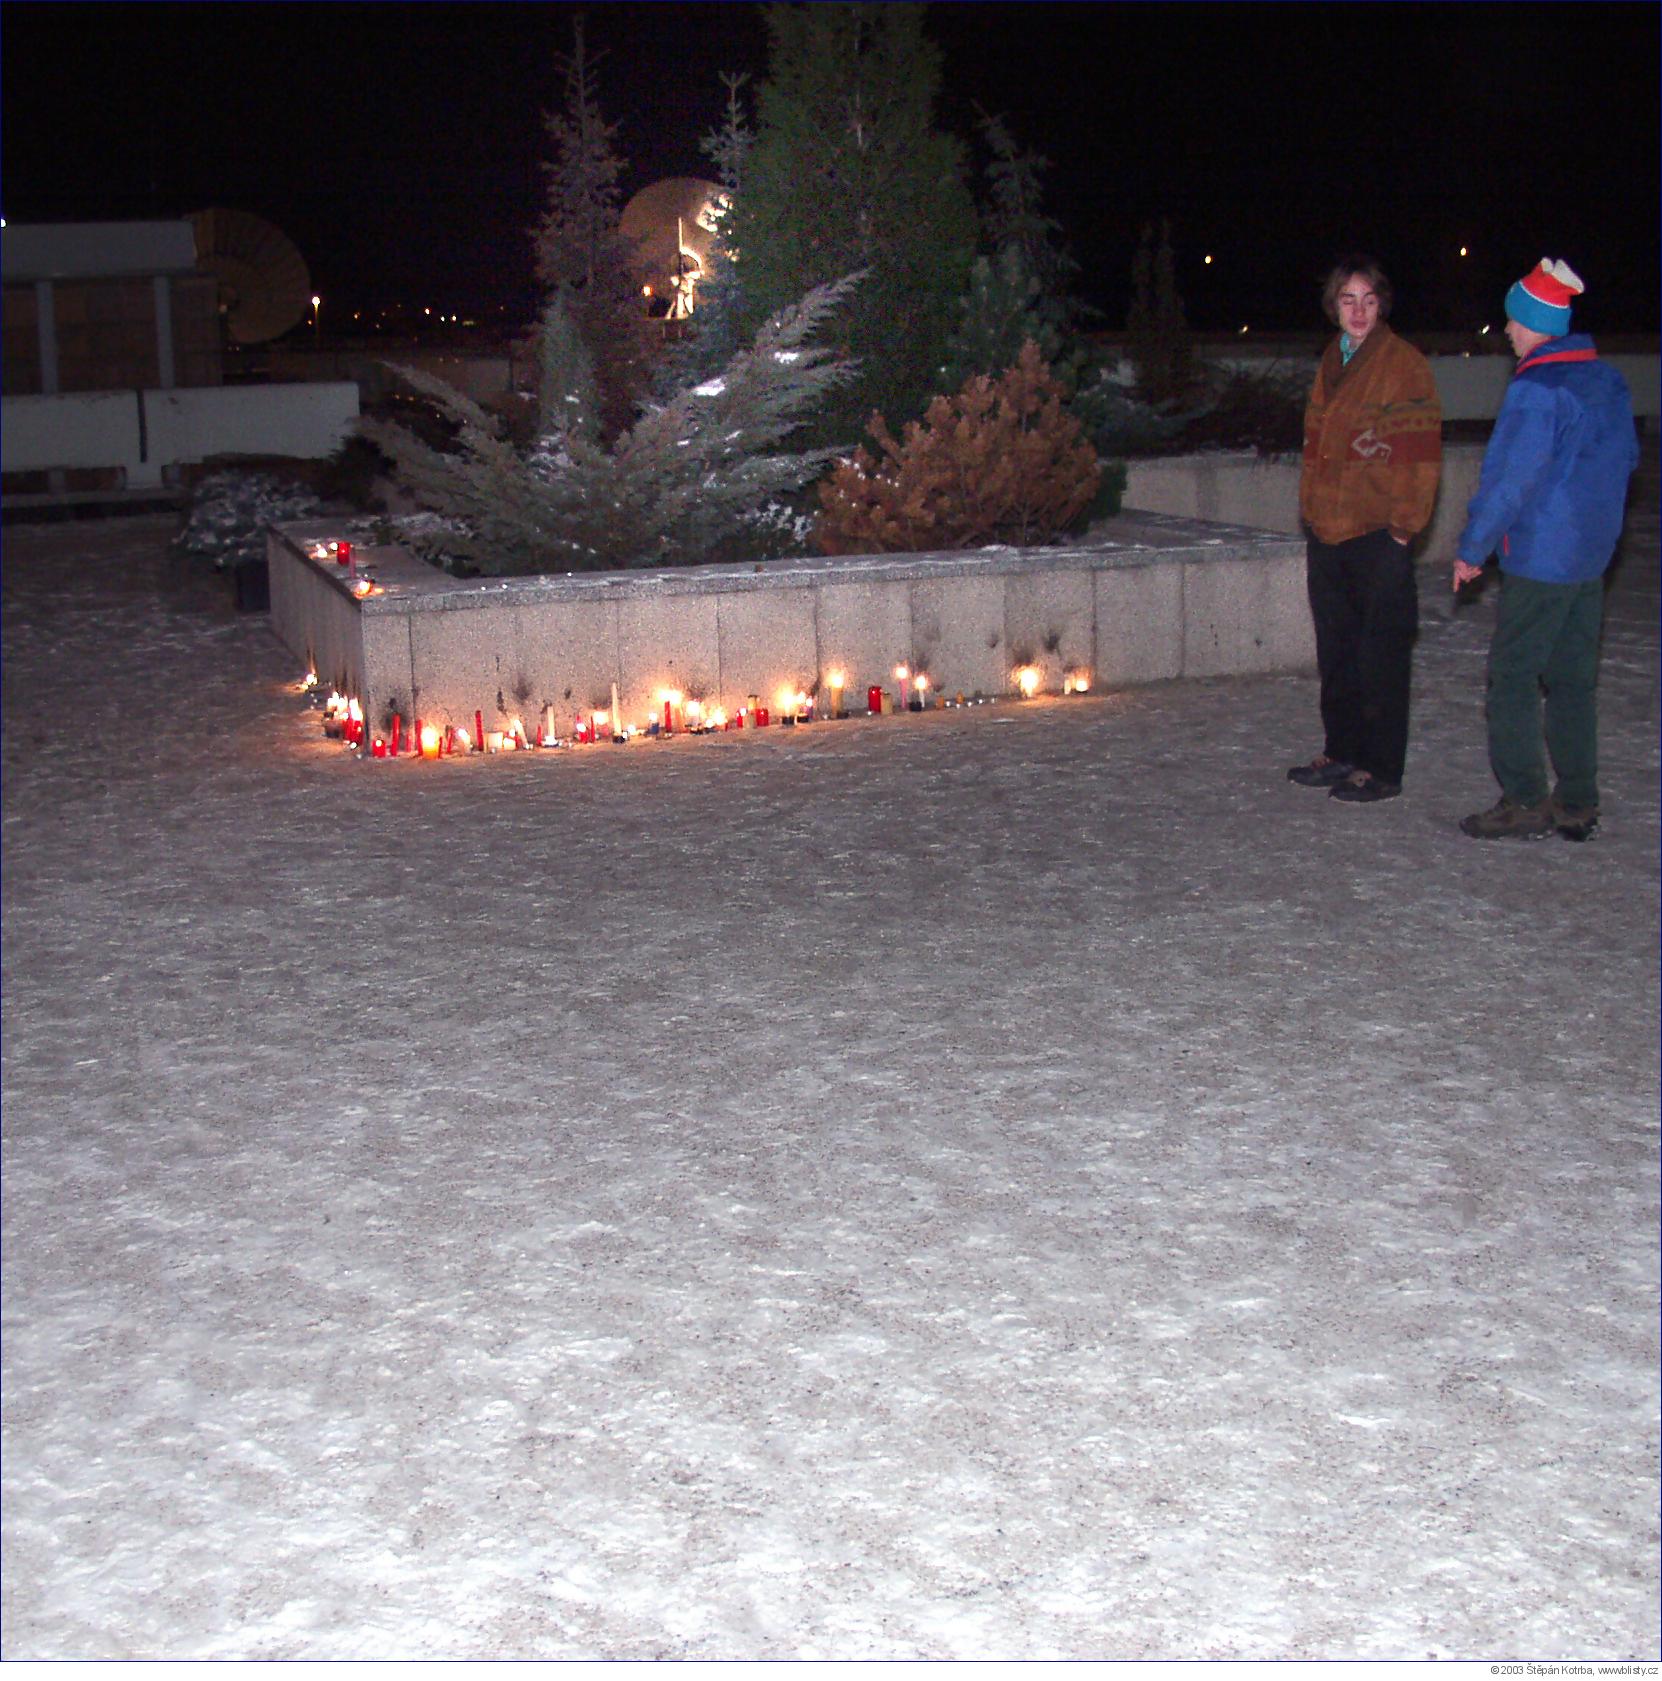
(673, 226)
(264, 287)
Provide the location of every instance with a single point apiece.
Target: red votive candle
(479, 731)
(398, 733)
(874, 699)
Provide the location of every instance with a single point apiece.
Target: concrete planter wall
(1245, 490)
(1151, 597)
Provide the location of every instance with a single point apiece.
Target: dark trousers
(1546, 640)
(1366, 609)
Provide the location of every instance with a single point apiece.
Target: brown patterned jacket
(1373, 442)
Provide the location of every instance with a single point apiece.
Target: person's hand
(1464, 574)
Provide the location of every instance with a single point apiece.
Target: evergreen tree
(1001, 462)
(1003, 309)
(717, 329)
(1162, 354)
(1020, 291)
(1017, 217)
(581, 252)
(688, 483)
(567, 398)
(847, 174)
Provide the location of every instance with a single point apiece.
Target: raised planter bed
(1150, 597)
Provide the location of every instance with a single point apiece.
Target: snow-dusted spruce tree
(691, 481)
(848, 173)
(1002, 462)
(590, 268)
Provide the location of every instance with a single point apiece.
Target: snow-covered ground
(1020, 1183)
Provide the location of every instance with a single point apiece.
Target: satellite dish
(264, 288)
(673, 223)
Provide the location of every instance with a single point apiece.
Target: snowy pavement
(1028, 1182)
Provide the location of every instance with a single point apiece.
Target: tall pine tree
(848, 174)
(1157, 333)
(590, 269)
(1018, 292)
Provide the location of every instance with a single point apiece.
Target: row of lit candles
(343, 718)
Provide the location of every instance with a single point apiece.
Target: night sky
(400, 146)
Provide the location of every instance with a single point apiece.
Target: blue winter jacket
(1554, 480)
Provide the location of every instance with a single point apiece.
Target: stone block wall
(1149, 598)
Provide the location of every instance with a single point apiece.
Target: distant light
(1462, 250)
(1243, 329)
(1208, 257)
(1483, 329)
(316, 300)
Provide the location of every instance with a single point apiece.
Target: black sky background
(400, 145)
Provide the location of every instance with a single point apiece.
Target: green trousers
(1546, 642)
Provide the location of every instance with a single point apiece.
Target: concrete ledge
(145, 432)
(1151, 597)
(1245, 489)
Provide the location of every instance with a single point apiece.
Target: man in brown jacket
(1372, 455)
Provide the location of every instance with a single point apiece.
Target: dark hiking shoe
(1359, 788)
(1575, 822)
(1321, 772)
(1507, 820)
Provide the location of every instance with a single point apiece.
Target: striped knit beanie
(1541, 300)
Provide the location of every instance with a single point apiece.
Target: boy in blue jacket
(1549, 504)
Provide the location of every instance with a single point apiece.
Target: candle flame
(430, 739)
(1027, 680)
(921, 681)
(901, 673)
(836, 681)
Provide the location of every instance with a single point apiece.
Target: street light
(317, 321)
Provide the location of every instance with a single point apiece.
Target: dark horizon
(401, 147)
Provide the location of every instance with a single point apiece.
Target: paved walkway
(1021, 1183)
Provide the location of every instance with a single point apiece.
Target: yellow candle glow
(1027, 680)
